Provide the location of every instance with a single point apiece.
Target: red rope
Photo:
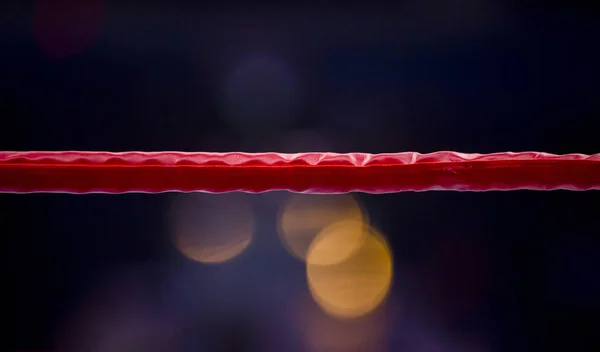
(86, 172)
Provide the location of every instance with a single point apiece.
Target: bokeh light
(337, 243)
(323, 333)
(304, 216)
(66, 27)
(212, 228)
(120, 312)
(359, 283)
(260, 91)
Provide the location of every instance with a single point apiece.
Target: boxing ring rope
(156, 172)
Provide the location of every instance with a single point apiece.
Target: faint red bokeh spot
(65, 27)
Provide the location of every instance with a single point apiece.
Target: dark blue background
(497, 78)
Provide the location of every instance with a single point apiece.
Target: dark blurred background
(473, 272)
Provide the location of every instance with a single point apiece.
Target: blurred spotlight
(357, 284)
(212, 228)
(324, 333)
(261, 91)
(304, 216)
(65, 27)
(337, 243)
(122, 313)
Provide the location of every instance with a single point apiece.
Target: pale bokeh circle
(324, 333)
(211, 228)
(304, 216)
(261, 91)
(356, 285)
(338, 242)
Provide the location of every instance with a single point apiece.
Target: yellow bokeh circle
(211, 228)
(355, 285)
(305, 216)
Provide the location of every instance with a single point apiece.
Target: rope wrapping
(156, 172)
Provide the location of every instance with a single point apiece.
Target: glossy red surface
(155, 172)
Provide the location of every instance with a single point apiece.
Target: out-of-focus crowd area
(413, 272)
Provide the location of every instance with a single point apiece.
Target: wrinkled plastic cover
(155, 172)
